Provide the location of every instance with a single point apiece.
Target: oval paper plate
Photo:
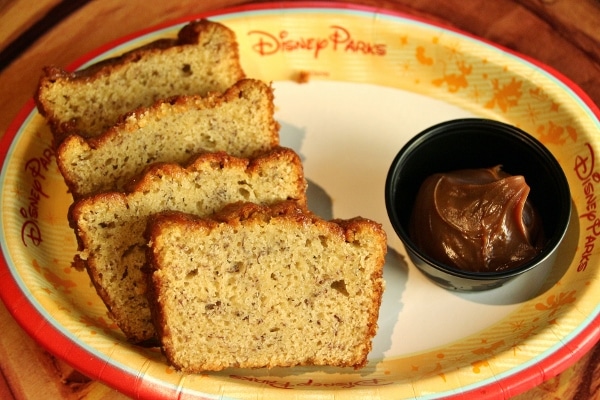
(352, 85)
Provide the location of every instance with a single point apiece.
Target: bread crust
(172, 130)
(109, 226)
(236, 217)
(56, 83)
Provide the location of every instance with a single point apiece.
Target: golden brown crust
(222, 160)
(154, 287)
(84, 163)
(191, 35)
(75, 210)
(188, 35)
(132, 120)
(109, 226)
(237, 217)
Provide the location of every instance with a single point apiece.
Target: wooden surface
(564, 34)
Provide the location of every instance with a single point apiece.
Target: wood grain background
(564, 34)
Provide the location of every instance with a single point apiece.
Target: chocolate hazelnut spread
(476, 220)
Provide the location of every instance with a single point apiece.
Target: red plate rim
(52, 339)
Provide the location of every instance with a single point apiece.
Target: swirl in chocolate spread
(476, 220)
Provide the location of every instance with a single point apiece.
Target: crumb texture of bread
(203, 58)
(110, 226)
(260, 286)
(239, 121)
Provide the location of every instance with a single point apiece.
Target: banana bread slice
(109, 226)
(204, 57)
(264, 286)
(239, 121)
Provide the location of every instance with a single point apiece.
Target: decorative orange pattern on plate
(324, 45)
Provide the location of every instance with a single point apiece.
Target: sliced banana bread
(110, 226)
(264, 286)
(204, 57)
(239, 121)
